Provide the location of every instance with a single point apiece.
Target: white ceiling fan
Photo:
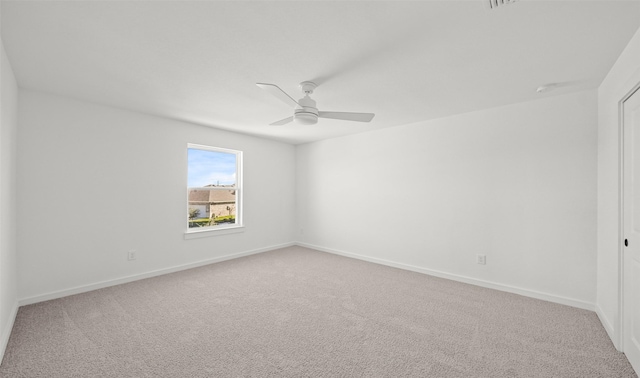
(305, 111)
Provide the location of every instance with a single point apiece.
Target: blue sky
(210, 167)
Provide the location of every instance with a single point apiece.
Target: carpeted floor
(296, 312)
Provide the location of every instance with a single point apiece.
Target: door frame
(621, 236)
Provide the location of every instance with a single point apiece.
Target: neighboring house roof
(212, 196)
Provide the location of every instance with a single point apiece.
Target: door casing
(621, 235)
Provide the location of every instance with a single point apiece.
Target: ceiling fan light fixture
(305, 118)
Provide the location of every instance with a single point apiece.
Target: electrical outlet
(481, 259)
(131, 255)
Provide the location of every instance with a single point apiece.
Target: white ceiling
(198, 61)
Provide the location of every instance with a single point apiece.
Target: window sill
(218, 231)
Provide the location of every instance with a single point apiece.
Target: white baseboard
(455, 277)
(6, 331)
(136, 277)
(608, 327)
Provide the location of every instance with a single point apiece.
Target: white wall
(8, 257)
(623, 77)
(516, 183)
(104, 180)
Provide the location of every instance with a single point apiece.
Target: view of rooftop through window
(214, 189)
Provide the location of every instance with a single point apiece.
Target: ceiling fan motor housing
(306, 113)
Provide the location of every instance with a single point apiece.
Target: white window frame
(238, 226)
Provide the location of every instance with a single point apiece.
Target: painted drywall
(97, 181)
(8, 252)
(515, 183)
(622, 78)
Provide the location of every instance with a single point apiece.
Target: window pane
(211, 168)
(211, 207)
(214, 192)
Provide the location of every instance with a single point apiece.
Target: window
(214, 186)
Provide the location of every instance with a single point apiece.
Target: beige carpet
(295, 312)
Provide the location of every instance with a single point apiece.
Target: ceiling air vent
(493, 4)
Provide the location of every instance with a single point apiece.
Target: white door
(631, 189)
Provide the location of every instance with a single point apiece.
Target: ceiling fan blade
(279, 93)
(358, 117)
(282, 122)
